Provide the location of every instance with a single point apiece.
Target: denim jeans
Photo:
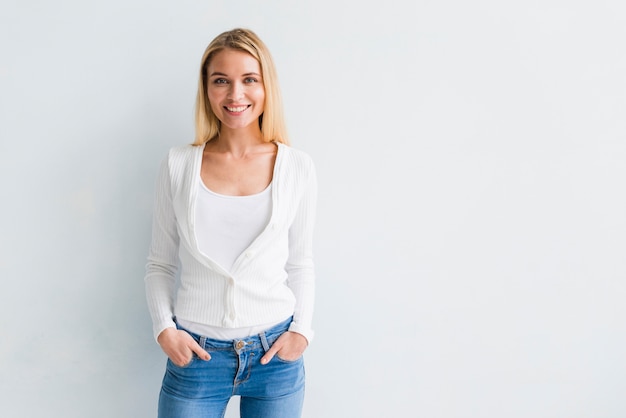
(203, 388)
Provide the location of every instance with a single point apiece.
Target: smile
(237, 109)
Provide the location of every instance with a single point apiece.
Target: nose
(236, 91)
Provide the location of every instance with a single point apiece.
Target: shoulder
(182, 157)
(296, 159)
(180, 161)
(183, 152)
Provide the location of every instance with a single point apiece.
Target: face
(235, 89)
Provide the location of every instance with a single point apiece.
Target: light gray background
(471, 233)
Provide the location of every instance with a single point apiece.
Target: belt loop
(202, 342)
(264, 343)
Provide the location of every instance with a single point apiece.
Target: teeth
(236, 109)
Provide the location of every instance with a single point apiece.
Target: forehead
(233, 61)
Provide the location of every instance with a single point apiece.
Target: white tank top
(227, 225)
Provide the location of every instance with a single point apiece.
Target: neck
(237, 141)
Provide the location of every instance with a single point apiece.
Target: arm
(160, 279)
(300, 267)
(162, 266)
(300, 277)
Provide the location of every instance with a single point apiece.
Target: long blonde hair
(272, 121)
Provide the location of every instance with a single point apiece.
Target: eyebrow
(217, 73)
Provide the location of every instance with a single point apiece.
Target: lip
(236, 109)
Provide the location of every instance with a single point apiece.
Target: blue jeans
(203, 388)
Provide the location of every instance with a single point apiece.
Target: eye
(220, 81)
(248, 80)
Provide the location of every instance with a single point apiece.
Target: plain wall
(471, 235)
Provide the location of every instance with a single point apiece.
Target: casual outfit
(246, 276)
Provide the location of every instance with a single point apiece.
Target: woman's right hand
(180, 346)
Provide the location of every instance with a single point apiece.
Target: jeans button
(239, 345)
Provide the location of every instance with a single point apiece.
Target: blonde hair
(272, 121)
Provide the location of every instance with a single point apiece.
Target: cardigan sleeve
(163, 260)
(299, 267)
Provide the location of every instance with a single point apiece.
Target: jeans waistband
(264, 339)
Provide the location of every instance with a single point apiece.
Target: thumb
(200, 352)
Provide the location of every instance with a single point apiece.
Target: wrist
(165, 334)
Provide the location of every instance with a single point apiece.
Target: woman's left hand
(288, 346)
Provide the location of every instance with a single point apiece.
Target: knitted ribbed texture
(271, 280)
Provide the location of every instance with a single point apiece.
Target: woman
(235, 211)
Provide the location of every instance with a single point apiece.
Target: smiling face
(235, 89)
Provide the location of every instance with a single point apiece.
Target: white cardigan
(270, 281)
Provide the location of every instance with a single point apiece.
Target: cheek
(211, 95)
(214, 99)
(260, 96)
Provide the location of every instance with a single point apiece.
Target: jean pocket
(193, 358)
(282, 360)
